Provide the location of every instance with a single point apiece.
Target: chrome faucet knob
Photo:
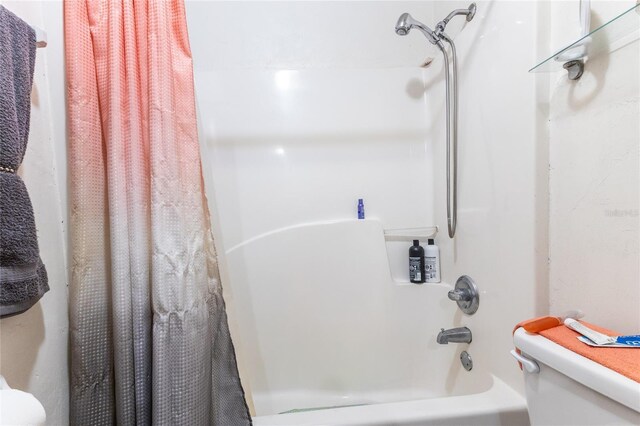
(459, 295)
(465, 294)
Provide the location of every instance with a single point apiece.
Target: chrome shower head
(406, 23)
(472, 12)
(469, 12)
(403, 26)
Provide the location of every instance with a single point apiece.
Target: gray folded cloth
(23, 278)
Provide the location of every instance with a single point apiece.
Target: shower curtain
(149, 338)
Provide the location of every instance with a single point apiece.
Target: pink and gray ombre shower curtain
(149, 335)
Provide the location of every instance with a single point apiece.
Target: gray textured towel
(23, 278)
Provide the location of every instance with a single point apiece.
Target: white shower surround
(299, 119)
(355, 338)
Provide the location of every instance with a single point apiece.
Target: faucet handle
(460, 295)
(465, 294)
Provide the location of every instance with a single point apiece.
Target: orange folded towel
(536, 325)
(625, 361)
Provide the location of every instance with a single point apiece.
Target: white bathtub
(322, 329)
(498, 405)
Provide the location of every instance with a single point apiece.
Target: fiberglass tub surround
(298, 125)
(353, 319)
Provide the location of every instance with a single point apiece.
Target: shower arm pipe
(442, 24)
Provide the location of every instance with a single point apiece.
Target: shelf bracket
(575, 68)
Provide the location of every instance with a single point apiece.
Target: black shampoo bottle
(416, 263)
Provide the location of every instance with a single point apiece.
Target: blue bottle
(360, 208)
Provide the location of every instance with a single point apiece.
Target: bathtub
(498, 405)
(334, 337)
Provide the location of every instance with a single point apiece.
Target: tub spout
(454, 335)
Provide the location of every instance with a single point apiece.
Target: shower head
(406, 23)
(469, 12)
(472, 12)
(403, 26)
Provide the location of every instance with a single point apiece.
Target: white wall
(306, 96)
(502, 190)
(595, 183)
(33, 353)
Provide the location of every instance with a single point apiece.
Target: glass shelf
(604, 39)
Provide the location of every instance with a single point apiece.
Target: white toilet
(19, 408)
(564, 388)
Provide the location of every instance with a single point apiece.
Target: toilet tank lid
(583, 370)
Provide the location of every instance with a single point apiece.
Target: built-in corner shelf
(608, 37)
(408, 234)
